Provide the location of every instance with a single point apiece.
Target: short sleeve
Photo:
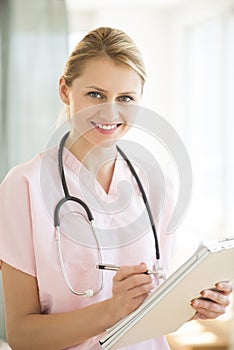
(16, 240)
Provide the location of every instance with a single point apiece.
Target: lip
(106, 128)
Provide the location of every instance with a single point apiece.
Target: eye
(95, 94)
(126, 99)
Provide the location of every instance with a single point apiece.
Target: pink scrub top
(28, 196)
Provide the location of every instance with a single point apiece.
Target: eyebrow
(103, 90)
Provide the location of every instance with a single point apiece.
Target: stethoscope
(67, 197)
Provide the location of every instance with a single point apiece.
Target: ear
(64, 91)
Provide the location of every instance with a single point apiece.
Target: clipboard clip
(219, 245)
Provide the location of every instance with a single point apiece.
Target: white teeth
(106, 126)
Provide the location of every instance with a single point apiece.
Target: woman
(41, 312)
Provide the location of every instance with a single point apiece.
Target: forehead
(107, 74)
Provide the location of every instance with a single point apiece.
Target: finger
(208, 308)
(142, 290)
(126, 271)
(225, 287)
(207, 314)
(215, 296)
(133, 282)
(137, 301)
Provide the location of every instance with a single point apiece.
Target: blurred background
(188, 48)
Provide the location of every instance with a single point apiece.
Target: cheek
(129, 112)
(75, 107)
(125, 130)
(80, 118)
(77, 103)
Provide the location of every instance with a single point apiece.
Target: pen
(111, 267)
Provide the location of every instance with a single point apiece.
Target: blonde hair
(104, 42)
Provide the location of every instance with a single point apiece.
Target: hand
(130, 287)
(213, 302)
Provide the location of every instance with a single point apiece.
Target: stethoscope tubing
(67, 197)
(71, 199)
(144, 197)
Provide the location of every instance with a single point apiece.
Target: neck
(98, 160)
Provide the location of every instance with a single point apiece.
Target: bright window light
(74, 38)
(196, 339)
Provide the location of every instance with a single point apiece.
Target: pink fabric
(28, 197)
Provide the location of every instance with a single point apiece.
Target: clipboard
(168, 308)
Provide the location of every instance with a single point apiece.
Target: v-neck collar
(89, 179)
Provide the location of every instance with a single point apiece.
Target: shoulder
(14, 188)
(28, 172)
(24, 169)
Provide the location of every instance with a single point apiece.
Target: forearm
(59, 331)
(28, 329)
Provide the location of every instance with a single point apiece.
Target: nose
(109, 112)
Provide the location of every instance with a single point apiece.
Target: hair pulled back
(104, 42)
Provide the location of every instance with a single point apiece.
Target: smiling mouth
(106, 126)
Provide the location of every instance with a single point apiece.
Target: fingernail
(205, 293)
(143, 266)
